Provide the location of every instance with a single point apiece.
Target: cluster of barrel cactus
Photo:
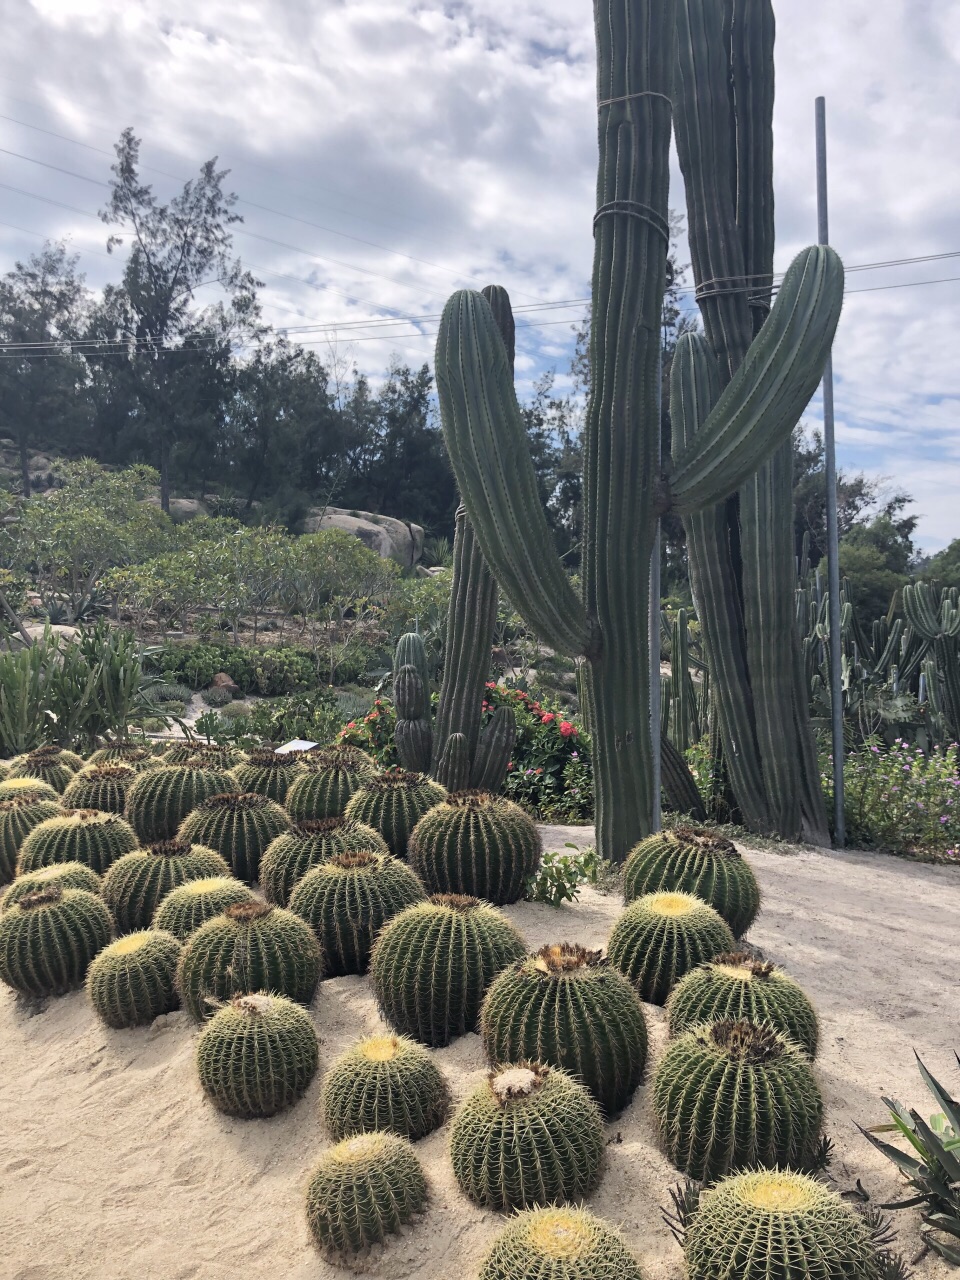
(137, 883)
(388, 1083)
(19, 815)
(269, 773)
(292, 854)
(103, 787)
(79, 835)
(327, 780)
(662, 936)
(693, 860)
(160, 799)
(51, 765)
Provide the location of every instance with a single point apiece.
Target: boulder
(222, 681)
(391, 539)
(181, 509)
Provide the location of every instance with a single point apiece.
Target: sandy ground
(112, 1165)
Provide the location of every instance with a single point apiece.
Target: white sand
(112, 1165)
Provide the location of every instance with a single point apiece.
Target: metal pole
(654, 634)
(833, 539)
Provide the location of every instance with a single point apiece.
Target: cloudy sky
(388, 151)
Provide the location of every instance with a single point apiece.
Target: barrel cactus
(80, 835)
(131, 981)
(269, 773)
(393, 803)
(327, 781)
(66, 875)
(48, 939)
(219, 755)
(364, 1189)
(475, 843)
(127, 753)
(257, 1055)
(138, 882)
(187, 907)
(291, 855)
(239, 827)
(160, 799)
(693, 860)
(738, 986)
(28, 789)
(567, 1006)
(18, 817)
(736, 1095)
(559, 1243)
(467, 941)
(103, 787)
(387, 1083)
(662, 936)
(347, 899)
(529, 1135)
(51, 765)
(251, 947)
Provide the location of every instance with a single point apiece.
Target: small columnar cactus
(18, 817)
(28, 789)
(257, 1055)
(240, 827)
(326, 783)
(736, 1095)
(131, 981)
(291, 855)
(393, 803)
(467, 941)
(187, 907)
(138, 882)
(269, 773)
(79, 835)
(346, 901)
(559, 1243)
(65, 875)
(387, 1083)
(219, 755)
(738, 986)
(697, 861)
(567, 1006)
(662, 936)
(51, 765)
(127, 753)
(530, 1135)
(251, 947)
(475, 843)
(364, 1189)
(160, 799)
(103, 787)
(48, 939)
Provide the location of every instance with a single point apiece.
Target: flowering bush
(374, 733)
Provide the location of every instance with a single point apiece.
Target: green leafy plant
(560, 876)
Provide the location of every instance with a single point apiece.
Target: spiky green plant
(160, 799)
(240, 827)
(695, 860)
(363, 1190)
(127, 753)
(529, 1135)
(51, 765)
(384, 1083)
(131, 981)
(18, 817)
(29, 789)
(738, 986)
(103, 787)
(269, 773)
(662, 936)
(138, 882)
(67, 875)
(467, 941)
(736, 1095)
(220, 755)
(475, 843)
(559, 1243)
(327, 781)
(257, 1055)
(187, 907)
(567, 1006)
(346, 901)
(79, 835)
(291, 855)
(393, 803)
(48, 939)
(251, 947)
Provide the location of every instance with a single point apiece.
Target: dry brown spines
(393, 780)
(708, 841)
(265, 759)
(319, 826)
(354, 859)
(519, 1081)
(169, 849)
(118, 772)
(41, 898)
(26, 799)
(235, 801)
(468, 799)
(455, 901)
(743, 964)
(566, 957)
(254, 1006)
(247, 912)
(747, 1041)
(84, 815)
(41, 754)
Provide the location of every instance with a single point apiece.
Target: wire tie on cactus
(634, 210)
(642, 93)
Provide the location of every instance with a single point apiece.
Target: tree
(875, 559)
(945, 566)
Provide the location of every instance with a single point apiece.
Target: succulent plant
(327, 781)
(364, 1189)
(219, 755)
(569, 1007)
(128, 753)
(384, 1083)
(48, 939)
(239, 827)
(66, 875)
(466, 941)
(217, 696)
(662, 936)
(29, 789)
(348, 898)
(529, 1135)
(559, 1243)
(393, 803)
(138, 882)
(19, 816)
(738, 986)
(77, 835)
(103, 787)
(736, 1095)
(160, 799)
(190, 905)
(131, 981)
(291, 855)
(251, 947)
(475, 843)
(269, 773)
(697, 861)
(257, 1055)
(51, 765)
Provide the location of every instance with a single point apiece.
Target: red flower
(538, 771)
(352, 724)
(567, 729)
(490, 685)
(548, 718)
(509, 766)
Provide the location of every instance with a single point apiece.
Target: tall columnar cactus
(18, 817)
(559, 1243)
(48, 939)
(159, 800)
(938, 621)
(269, 773)
(393, 803)
(309, 844)
(662, 936)
(625, 488)
(131, 982)
(127, 753)
(80, 835)
(137, 883)
(569, 1007)
(51, 765)
(103, 787)
(65, 875)
(384, 1083)
(184, 909)
(238, 826)
(327, 781)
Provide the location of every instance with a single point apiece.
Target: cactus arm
(413, 735)
(453, 767)
(494, 750)
(678, 784)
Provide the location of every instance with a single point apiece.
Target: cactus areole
(625, 489)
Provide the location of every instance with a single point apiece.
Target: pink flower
(548, 718)
(352, 724)
(567, 729)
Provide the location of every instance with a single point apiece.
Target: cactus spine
(48, 939)
(384, 1083)
(238, 827)
(187, 907)
(66, 875)
(126, 753)
(328, 780)
(219, 756)
(28, 789)
(82, 835)
(138, 882)
(51, 765)
(310, 844)
(393, 804)
(18, 817)
(559, 1244)
(662, 936)
(268, 773)
(160, 799)
(103, 787)
(131, 981)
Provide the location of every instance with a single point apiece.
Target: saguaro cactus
(624, 488)
(939, 623)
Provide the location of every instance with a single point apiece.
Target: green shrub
(268, 672)
(217, 696)
(81, 835)
(137, 883)
(131, 981)
(560, 875)
(661, 937)
(48, 939)
(311, 716)
(159, 800)
(184, 909)
(240, 827)
(385, 1083)
(559, 1243)
(235, 711)
(19, 815)
(103, 787)
(163, 694)
(65, 875)
(292, 854)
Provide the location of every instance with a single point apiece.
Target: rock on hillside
(391, 539)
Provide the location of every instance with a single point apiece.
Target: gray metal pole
(654, 634)
(833, 540)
